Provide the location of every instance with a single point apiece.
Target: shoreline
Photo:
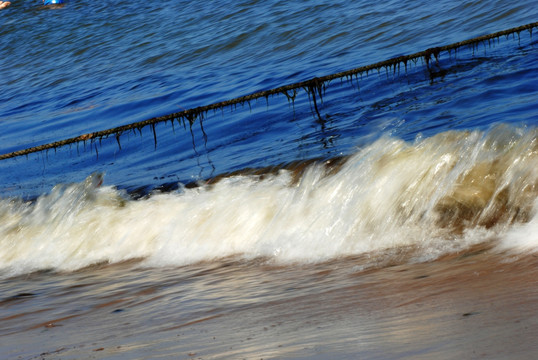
(476, 304)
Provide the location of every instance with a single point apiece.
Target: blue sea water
(422, 165)
(90, 66)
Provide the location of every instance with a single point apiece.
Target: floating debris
(314, 87)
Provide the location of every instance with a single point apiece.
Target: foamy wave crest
(522, 238)
(433, 196)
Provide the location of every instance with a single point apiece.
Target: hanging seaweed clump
(315, 89)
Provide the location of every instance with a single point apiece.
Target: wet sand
(480, 304)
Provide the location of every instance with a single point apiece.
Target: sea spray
(431, 197)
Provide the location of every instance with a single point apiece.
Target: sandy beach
(479, 304)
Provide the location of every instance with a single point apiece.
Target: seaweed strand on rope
(314, 87)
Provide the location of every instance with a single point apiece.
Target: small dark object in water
(421, 276)
(20, 296)
(470, 313)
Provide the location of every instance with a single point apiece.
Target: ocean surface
(395, 218)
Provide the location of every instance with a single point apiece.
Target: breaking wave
(430, 197)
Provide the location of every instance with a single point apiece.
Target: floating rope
(313, 87)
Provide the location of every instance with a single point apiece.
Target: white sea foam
(522, 238)
(434, 196)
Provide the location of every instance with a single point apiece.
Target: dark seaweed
(315, 89)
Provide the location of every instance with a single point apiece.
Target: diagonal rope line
(312, 86)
